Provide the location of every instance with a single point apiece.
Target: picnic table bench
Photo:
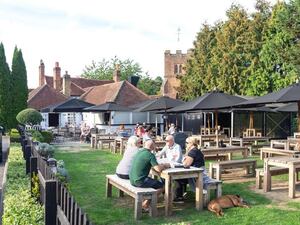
(218, 166)
(139, 194)
(273, 172)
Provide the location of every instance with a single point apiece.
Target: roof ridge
(143, 93)
(118, 92)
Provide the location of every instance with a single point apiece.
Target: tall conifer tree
(5, 101)
(19, 84)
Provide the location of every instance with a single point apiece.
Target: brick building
(174, 67)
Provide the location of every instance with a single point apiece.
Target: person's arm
(177, 153)
(162, 152)
(160, 167)
(189, 159)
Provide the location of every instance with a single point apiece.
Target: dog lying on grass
(226, 201)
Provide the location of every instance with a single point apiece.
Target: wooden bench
(101, 143)
(218, 166)
(215, 185)
(139, 194)
(273, 171)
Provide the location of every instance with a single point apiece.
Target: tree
(278, 64)
(29, 116)
(149, 85)
(104, 69)
(5, 102)
(19, 84)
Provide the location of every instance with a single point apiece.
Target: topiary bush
(61, 173)
(29, 117)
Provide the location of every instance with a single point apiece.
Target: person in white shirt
(172, 129)
(171, 151)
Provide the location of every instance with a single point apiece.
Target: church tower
(174, 67)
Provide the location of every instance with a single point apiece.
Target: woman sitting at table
(194, 157)
(124, 165)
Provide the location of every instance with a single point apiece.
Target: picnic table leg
(292, 181)
(230, 156)
(138, 207)
(211, 170)
(168, 200)
(230, 141)
(92, 142)
(218, 172)
(108, 188)
(199, 192)
(241, 143)
(153, 205)
(267, 176)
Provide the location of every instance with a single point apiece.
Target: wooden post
(298, 116)
(50, 202)
(27, 157)
(23, 147)
(33, 170)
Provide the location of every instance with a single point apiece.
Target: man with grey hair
(143, 161)
(171, 151)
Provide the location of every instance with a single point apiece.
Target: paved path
(1, 180)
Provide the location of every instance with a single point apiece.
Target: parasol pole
(251, 120)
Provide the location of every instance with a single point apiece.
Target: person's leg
(180, 187)
(151, 183)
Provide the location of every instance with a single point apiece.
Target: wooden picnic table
(120, 144)
(96, 137)
(229, 150)
(209, 137)
(283, 162)
(267, 152)
(285, 144)
(243, 140)
(173, 174)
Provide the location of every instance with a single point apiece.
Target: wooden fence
(60, 206)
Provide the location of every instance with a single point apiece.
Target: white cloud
(77, 32)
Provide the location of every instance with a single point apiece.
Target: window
(177, 69)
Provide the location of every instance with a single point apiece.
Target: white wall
(44, 124)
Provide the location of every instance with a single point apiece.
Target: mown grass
(88, 169)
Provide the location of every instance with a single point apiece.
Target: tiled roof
(44, 96)
(76, 90)
(80, 82)
(121, 92)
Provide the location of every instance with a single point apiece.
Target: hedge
(19, 206)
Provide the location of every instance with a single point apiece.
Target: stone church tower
(174, 67)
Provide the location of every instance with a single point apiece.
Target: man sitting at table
(143, 161)
(171, 151)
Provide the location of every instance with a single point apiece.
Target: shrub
(47, 136)
(61, 173)
(29, 117)
(14, 135)
(19, 206)
(37, 136)
(46, 150)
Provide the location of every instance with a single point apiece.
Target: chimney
(67, 84)
(41, 73)
(56, 77)
(117, 73)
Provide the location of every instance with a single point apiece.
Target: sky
(74, 32)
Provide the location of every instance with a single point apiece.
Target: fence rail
(60, 206)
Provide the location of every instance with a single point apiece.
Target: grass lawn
(88, 169)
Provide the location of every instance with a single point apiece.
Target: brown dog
(226, 201)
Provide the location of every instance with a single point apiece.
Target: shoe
(178, 200)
